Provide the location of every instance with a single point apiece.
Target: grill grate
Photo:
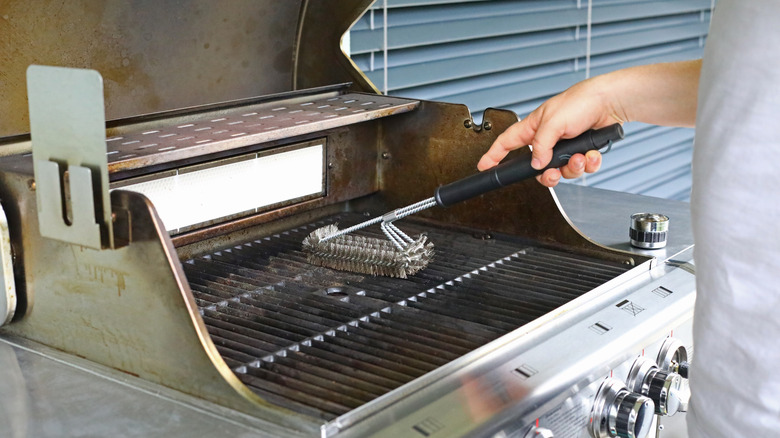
(324, 342)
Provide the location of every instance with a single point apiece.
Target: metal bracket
(68, 130)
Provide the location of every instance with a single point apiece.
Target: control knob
(648, 230)
(618, 412)
(665, 388)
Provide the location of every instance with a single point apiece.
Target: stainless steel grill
(166, 243)
(317, 339)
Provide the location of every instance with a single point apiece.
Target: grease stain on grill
(323, 342)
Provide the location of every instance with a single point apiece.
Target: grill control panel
(632, 402)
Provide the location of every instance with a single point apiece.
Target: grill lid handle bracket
(68, 130)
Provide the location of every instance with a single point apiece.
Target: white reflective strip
(8, 297)
(204, 195)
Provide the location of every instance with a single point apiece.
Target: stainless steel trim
(672, 352)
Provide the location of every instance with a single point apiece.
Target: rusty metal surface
(438, 144)
(157, 55)
(319, 59)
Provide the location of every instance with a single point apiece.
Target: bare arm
(661, 94)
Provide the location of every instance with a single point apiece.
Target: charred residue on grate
(324, 342)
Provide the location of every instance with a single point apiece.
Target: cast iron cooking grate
(324, 342)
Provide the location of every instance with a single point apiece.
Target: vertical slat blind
(515, 54)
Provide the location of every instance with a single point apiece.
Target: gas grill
(168, 246)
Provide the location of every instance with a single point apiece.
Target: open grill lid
(157, 56)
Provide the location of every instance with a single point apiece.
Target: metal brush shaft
(387, 217)
(506, 173)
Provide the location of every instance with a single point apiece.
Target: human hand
(581, 107)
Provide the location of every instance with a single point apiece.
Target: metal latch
(68, 130)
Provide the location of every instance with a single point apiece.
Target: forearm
(659, 94)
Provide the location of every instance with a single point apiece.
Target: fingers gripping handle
(519, 169)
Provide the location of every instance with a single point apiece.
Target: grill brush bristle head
(366, 255)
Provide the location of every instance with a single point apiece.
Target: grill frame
(147, 272)
(132, 308)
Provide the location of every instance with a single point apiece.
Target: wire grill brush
(401, 255)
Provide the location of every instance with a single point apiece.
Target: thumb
(542, 146)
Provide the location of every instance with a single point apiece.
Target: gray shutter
(515, 54)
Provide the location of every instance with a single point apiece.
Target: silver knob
(663, 387)
(618, 412)
(673, 357)
(539, 432)
(648, 230)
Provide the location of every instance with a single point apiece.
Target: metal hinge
(68, 130)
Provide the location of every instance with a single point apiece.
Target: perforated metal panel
(146, 143)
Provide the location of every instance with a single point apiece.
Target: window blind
(515, 54)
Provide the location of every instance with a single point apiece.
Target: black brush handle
(516, 170)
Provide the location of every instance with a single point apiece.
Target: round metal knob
(664, 390)
(634, 416)
(648, 230)
(663, 387)
(539, 432)
(618, 412)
